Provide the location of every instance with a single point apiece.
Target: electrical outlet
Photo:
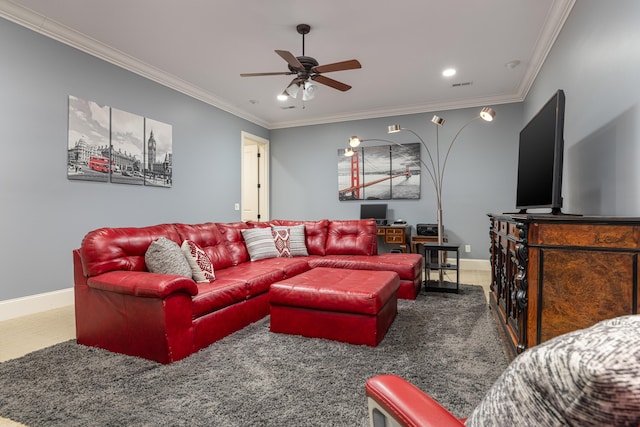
(467, 248)
(236, 206)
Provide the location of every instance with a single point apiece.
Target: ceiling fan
(307, 70)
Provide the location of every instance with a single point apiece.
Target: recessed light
(512, 64)
(449, 72)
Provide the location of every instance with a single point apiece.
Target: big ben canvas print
(158, 167)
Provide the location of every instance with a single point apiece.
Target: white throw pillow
(259, 243)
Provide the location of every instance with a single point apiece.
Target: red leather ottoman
(353, 306)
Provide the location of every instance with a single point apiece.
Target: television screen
(375, 211)
(540, 155)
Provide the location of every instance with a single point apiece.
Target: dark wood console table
(553, 274)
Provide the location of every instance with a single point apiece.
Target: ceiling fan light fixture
(292, 90)
(309, 91)
(283, 96)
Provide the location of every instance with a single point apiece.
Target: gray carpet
(446, 344)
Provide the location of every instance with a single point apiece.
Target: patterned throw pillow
(589, 377)
(199, 262)
(297, 243)
(282, 240)
(259, 243)
(164, 256)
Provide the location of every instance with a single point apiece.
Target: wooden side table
(395, 235)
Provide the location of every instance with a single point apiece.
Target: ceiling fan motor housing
(308, 63)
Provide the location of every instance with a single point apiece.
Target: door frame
(263, 144)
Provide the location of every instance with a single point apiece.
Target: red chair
(395, 402)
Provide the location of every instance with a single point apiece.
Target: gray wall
(596, 61)
(43, 215)
(479, 176)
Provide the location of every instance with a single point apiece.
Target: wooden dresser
(553, 274)
(395, 235)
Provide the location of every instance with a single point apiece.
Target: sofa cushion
(201, 266)
(352, 237)
(296, 243)
(260, 243)
(164, 256)
(315, 234)
(257, 276)
(216, 295)
(209, 238)
(589, 377)
(111, 249)
(408, 266)
(232, 236)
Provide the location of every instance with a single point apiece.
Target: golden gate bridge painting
(380, 173)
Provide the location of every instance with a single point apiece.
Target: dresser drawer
(394, 239)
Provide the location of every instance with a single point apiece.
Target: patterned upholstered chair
(589, 377)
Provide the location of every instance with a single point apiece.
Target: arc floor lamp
(436, 165)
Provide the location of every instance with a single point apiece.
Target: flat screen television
(376, 211)
(540, 155)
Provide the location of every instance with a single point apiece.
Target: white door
(255, 178)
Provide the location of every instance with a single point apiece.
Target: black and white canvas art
(158, 166)
(380, 173)
(88, 141)
(127, 134)
(110, 145)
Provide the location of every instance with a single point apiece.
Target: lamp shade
(292, 90)
(309, 91)
(348, 152)
(437, 120)
(487, 114)
(354, 141)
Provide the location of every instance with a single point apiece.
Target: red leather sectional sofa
(122, 307)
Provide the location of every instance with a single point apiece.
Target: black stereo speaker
(427, 229)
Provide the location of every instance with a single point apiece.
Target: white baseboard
(473, 264)
(18, 307)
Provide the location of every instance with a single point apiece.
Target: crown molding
(558, 15)
(56, 31)
(556, 18)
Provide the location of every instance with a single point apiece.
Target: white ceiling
(200, 47)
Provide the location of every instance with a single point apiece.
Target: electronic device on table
(427, 229)
(540, 159)
(377, 211)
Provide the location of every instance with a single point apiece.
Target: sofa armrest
(142, 283)
(406, 403)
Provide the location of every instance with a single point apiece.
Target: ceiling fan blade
(330, 82)
(291, 60)
(351, 64)
(277, 73)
